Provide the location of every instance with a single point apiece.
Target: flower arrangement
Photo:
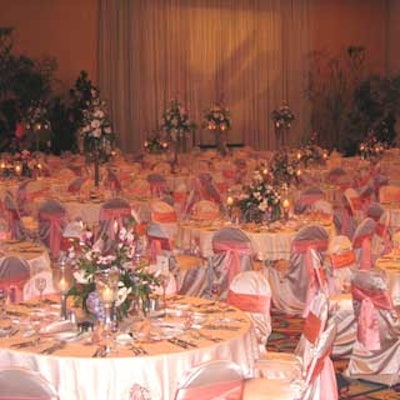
(217, 118)
(371, 149)
(259, 200)
(155, 144)
(22, 163)
(283, 116)
(89, 256)
(312, 154)
(175, 121)
(96, 130)
(284, 169)
(36, 118)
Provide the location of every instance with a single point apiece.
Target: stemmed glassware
(40, 285)
(164, 280)
(3, 303)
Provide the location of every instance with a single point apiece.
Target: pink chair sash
(366, 255)
(163, 217)
(158, 244)
(56, 221)
(312, 327)
(381, 229)
(358, 241)
(15, 287)
(229, 390)
(234, 250)
(301, 246)
(255, 303)
(343, 259)
(114, 214)
(368, 328)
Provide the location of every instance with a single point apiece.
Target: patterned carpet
(285, 334)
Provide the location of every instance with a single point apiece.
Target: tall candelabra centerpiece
(96, 137)
(176, 124)
(283, 118)
(217, 120)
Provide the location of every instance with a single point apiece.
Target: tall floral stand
(282, 134)
(221, 142)
(180, 146)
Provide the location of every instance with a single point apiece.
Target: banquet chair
(14, 273)
(159, 240)
(4, 231)
(292, 292)
(362, 242)
(52, 222)
(138, 187)
(211, 380)
(27, 192)
(76, 184)
(323, 207)
(389, 194)
(114, 214)
(375, 211)
(158, 184)
(21, 383)
(66, 174)
(317, 382)
(233, 253)
(207, 189)
(180, 195)
(333, 176)
(307, 198)
(340, 264)
(381, 239)
(13, 217)
(282, 365)
(354, 204)
(205, 210)
(376, 353)
(250, 292)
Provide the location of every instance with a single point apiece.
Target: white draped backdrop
(252, 54)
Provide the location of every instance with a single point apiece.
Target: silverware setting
(221, 327)
(53, 348)
(182, 343)
(101, 352)
(138, 350)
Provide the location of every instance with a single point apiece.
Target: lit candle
(116, 226)
(3, 165)
(229, 201)
(39, 166)
(298, 155)
(18, 169)
(298, 172)
(325, 156)
(107, 294)
(63, 285)
(286, 204)
(265, 171)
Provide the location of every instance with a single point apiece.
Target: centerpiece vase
(96, 172)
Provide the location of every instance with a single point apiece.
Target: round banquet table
(271, 242)
(76, 374)
(390, 264)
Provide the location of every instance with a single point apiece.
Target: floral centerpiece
(176, 124)
(283, 116)
(371, 149)
(217, 119)
(22, 163)
(284, 169)
(155, 144)
(35, 131)
(260, 200)
(90, 256)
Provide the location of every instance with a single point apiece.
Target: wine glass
(164, 281)
(40, 285)
(216, 290)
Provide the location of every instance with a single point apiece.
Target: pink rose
(19, 130)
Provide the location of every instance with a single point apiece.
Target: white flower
(97, 133)
(82, 278)
(122, 294)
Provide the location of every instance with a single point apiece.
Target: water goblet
(40, 285)
(216, 290)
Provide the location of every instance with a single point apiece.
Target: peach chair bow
(56, 221)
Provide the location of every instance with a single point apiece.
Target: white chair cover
(233, 253)
(52, 222)
(205, 210)
(216, 379)
(14, 273)
(250, 292)
(374, 211)
(291, 292)
(362, 241)
(381, 240)
(278, 365)
(376, 353)
(13, 217)
(25, 384)
(114, 212)
(307, 199)
(158, 184)
(319, 382)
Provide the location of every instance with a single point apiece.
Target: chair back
(13, 217)
(115, 212)
(250, 292)
(205, 210)
(162, 212)
(362, 240)
(216, 379)
(21, 383)
(158, 184)
(375, 211)
(52, 221)
(14, 273)
(233, 251)
(389, 194)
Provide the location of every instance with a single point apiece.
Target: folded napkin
(58, 326)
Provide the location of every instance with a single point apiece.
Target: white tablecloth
(390, 263)
(77, 375)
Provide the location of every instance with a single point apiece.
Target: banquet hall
(199, 199)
